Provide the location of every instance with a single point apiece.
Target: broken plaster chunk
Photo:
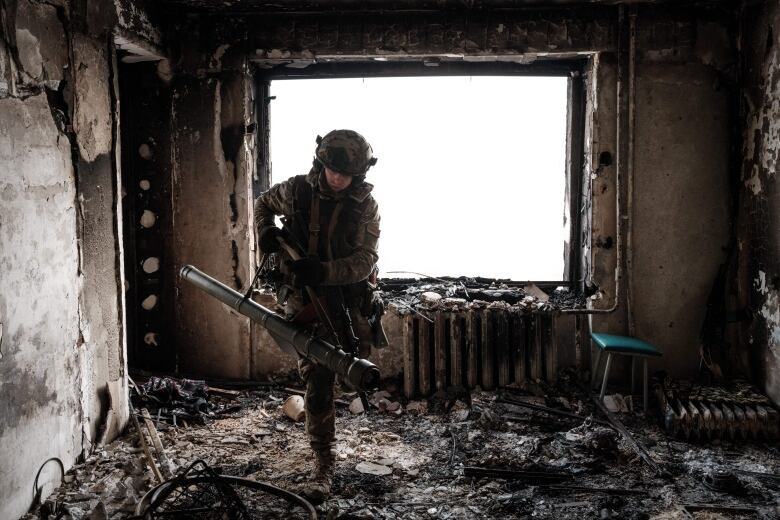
(149, 302)
(371, 468)
(293, 408)
(430, 296)
(145, 151)
(356, 406)
(145, 185)
(148, 218)
(151, 265)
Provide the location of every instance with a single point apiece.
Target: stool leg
(595, 369)
(633, 365)
(606, 376)
(644, 397)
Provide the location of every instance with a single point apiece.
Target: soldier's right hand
(268, 239)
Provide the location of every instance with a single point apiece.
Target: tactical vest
(328, 228)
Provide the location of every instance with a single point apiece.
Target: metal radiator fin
(489, 348)
(707, 413)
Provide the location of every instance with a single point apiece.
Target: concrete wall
(675, 206)
(759, 217)
(61, 303)
(211, 181)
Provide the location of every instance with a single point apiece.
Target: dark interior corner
(135, 140)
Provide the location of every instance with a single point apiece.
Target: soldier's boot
(321, 427)
(319, 487)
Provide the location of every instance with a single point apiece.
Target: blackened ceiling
(331, 6)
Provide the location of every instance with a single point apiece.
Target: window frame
(571, 68)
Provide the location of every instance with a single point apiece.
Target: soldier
(332, 219)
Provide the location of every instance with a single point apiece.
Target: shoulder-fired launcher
(360, 374)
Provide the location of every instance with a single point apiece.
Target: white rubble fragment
(294, 409)
(371, 468)
(356, 406)
(430, 296)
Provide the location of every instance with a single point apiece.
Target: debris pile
(108, 484)
(174, 400)
(538, 450)
(459, 294)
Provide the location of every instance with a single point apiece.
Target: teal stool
(625, 345)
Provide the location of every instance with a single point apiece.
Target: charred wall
(678, 161)
(61, 299)
(675, 172)
(758, 282)
(213, 165)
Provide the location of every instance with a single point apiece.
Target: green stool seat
(622, 345)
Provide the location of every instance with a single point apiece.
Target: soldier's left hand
(306, 271)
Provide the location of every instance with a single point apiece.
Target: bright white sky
(471, 171)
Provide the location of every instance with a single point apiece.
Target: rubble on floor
(174, 400)
(457, 294)
(532, 451)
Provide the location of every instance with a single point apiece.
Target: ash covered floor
(411, 463)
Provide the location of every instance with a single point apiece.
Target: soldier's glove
(306, 271)
(268, 239)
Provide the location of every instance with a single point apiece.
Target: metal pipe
(630, 170)
(360, 374)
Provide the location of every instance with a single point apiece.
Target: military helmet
(345, 151)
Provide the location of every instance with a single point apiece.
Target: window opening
(471, 175)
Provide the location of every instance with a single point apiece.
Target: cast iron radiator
(739, 411)
(489, 348)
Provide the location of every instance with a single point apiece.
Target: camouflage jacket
(351, 263)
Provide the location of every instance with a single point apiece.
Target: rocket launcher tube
(360, 374)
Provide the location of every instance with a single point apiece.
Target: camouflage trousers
(319, 407)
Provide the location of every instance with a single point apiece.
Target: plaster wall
(759, 210)
(41, 351)
(61, 306)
